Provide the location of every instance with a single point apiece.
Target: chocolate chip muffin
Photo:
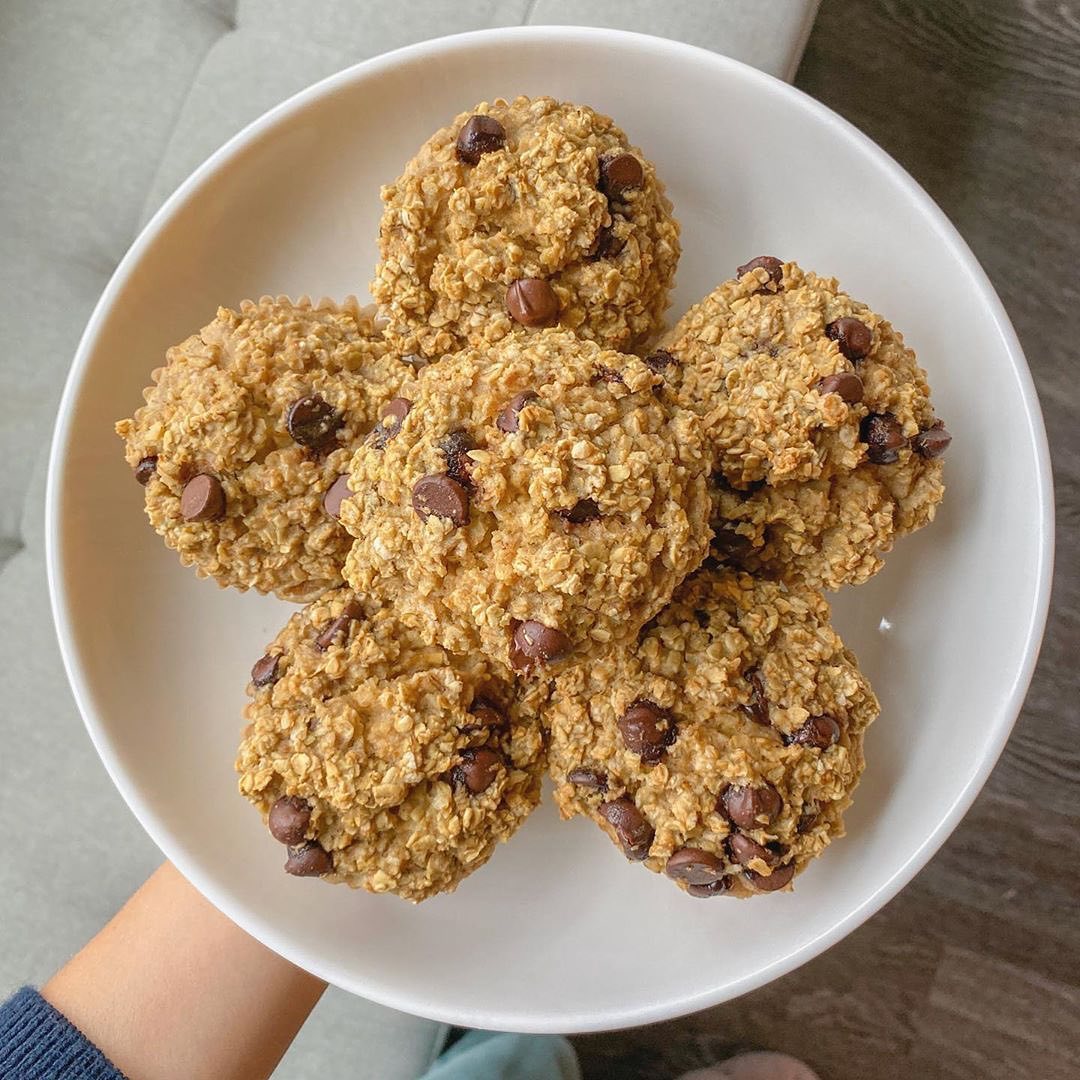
(536, 498)
(827, 446)
(380, 760)
(246, 435)
(722, 747)
(525, 214)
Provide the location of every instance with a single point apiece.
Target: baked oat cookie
(525, 214)
(827, 445)
(723, 747)
(246, 432)
(537, 498)
(380, 760)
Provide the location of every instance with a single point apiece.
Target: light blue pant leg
(491, 1055)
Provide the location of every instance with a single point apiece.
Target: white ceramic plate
(558, 932)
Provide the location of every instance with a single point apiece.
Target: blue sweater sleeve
(38, 1043)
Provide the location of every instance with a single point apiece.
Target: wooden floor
(974, 970)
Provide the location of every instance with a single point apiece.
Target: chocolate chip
(758, 707)
(533, 643)
(145, 469)
(607, 244)
(620, 173)
(716, 888)
(769, 263)
(333, 629)
(647, 730)
(604, 374)
(731, 545)
(694, 866)
(819, 731)
(308, 860)
(583, 511)
(265, 671)
(442, 496)
(312, 421)
(588, 778)
(339, 627)
(770, 882)
(744, 805)
(845, 383)
(634, 832)
(289, 818)
(477, 769)
(335, 495)
(532, 302)
(509, 419)
(883, 436)
(203, 499)
(808, 818)
(852, 335)
(487, 713)
(455, 448)
(658, 360)
(745, 850)
(389, 425)
(931, 443)
(479, 135)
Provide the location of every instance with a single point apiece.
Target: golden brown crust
(454, 235)
(368, 730)
(696, 662)
(219, 406)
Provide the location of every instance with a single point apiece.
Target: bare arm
(171, 989)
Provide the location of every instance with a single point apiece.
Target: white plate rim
(188, 863)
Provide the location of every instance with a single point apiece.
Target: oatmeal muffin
(827, 446)
(525, 214)
(536, 498)
(381, 761)
(246, 435)
(724, 745)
